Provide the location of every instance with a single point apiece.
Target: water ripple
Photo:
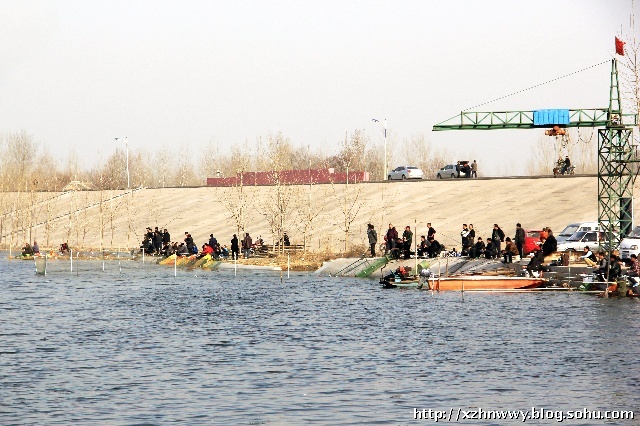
(143, 347)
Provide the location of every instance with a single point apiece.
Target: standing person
(465, 239)
(497, 236)
(188, 241)
(166, 237)
(474, 169)
(248, 242)
(407, 239)
(431, 232)
(235, 247)
(422, 248)
(373, 239)
(392, 236)
(157, 240)
(519, 240)
(550, 244)
(472, 235)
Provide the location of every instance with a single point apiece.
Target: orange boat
(482, 283)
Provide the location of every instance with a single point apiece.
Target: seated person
(510, 250)
(146, 245)
(589, 258)
(478, 249)
(165, 251)
(603, 266)
(206, 249)
(434, 248)
(285, 237)
(615, 271)
(224, 252)
(535, 264)
(490, 250)
(27, 250)
(634, 274)
(64, 248)
(182, 250)
(423, 246)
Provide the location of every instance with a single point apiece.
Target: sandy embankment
(79, 216)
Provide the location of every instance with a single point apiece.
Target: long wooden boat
(482, 283)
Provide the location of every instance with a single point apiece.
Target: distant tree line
(27, 165)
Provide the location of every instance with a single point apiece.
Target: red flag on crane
(620, 47)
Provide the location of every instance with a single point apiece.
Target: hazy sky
(76, 74)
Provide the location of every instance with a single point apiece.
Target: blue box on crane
(545, 117)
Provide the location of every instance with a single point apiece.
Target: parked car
(405, 172)
(531, 241)
(631, 244)
(449, 171)
(581, 239)
(572, 228)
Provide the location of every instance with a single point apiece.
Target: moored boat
(483, 283)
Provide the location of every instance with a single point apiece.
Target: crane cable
(538, 85)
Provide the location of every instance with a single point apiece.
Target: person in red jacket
(206, 249)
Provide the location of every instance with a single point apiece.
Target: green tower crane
(616, 151)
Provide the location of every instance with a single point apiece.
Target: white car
(405, 172)
(631, 244)
(572, 228)
(449, 171)
(582, 239)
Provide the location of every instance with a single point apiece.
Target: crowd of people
(400, 246)
(158, 243)
(610, 270)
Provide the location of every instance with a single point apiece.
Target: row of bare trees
(26, 164)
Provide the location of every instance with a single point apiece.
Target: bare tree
(278, 206)
(351, 204)
(419, 152)
(310, 206)
(235, 198)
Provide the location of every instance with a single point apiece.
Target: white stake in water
(288, 265)
(235, 266)
(71, 258)
(175, 266)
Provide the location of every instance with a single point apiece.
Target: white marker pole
(71, 258)
(175, 265)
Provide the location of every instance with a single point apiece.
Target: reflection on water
(143, 347)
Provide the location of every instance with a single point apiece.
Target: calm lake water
(140, 346)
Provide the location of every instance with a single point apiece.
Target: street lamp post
(126, 145)
(384, 172)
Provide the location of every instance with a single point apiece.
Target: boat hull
(483, 283)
